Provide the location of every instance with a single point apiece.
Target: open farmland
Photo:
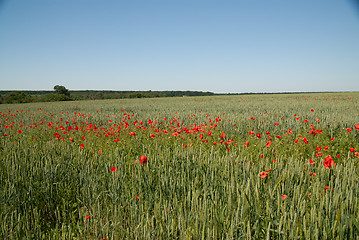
(220, 167)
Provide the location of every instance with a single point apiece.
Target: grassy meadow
(219, 167)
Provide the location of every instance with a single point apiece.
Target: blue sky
(205, 45)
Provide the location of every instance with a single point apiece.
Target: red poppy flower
(319, 154)
(223, 135)
(268, 143)
(312, 110)
(100, 151)
(246, 144)
(113, 169)
(356, 126)
(143, 159)
(279, 137)
(284, 197)
(296, 141)
(311, 161)
(82, 146)
(352, 150)
(349, 130)
(338, 156)
(267, 132)
(305, 140)
(263, 174)
(259, 135)
(329, 162)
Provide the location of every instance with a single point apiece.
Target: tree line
(61, 93)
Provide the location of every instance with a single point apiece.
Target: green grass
(52, 188)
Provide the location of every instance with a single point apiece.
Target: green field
(218, 167)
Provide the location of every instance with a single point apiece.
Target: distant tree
(52, 97)
(136, 95)
(17, 97)
(61, 90)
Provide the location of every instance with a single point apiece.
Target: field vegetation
(214, 167)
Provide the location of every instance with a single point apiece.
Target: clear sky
(205, 45)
